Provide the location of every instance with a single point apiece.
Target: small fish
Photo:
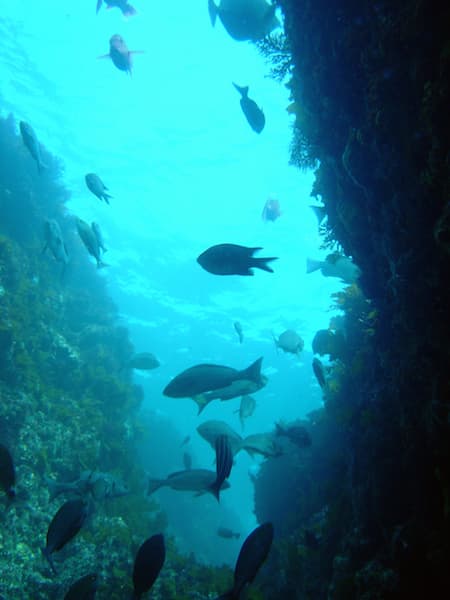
(238, 328)
(31, 142)
(54, 241)
(90, 484)
(89, 239)
(7, 472)
(97, 187)
(211, 430)
(187, 461)
(289, 341)
(191, 480)
(262, 443)
(224, 463)
(335, 265)
(244, 19)
(119, 53)
(232, 259)
(84, 588)
(240, 387)
(297, 434)
(147, 565)
(127, 9)
(251, 110)
(271, 210)
(319, 372)
(66, 523)
(253, 553)
(246, 408)
(98, 234)
(227, 533)
(143, 361)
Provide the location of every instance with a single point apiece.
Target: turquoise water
(186, 172)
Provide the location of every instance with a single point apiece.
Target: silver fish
(335, 265)
(246, 408)
(244, 19)
(190, 480)
(31, 142)
(89, 239)
(211, 430)
(54, 241)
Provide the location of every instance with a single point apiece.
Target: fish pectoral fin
(201, 402)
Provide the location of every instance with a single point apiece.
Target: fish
(89, 239)
(92, 484)
(31, 142)
(227, 533)
(144, 361)
(246, 408)
(66, 523)
(271, 210)
(253, 113)
(297, 434)
(7, 473)
(97, 187)
(335, 265)
(232, 259)
(196, 382)
(224, 463)
(289, 341)
(319, 211)
(190, 480)
(147, 565)
(252, 555)
(319, 372)
(84, 588)
(119, 54)
(211, 430)
(244, 19)
(238, 328)
(127, 9)
(186, 440)
(240, 387)
(187, 461)
(54, 241)
(98, 234)
(262, 443)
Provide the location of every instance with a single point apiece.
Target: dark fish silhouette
(98, 234)
(127, 9)
(231, 259)
(187, 461)
(119, 53)
(190, 480)
(227, 533)
(253, 553)
(66, 523)
(89, 239)
(54, 241)
(224, 462)
(251, 110)
(147, 564)
(31, 142)
(203, 378)
(97, 187)
(7, 472)
(319, 372)
(238, 328)
(84, 588)
(143, 361)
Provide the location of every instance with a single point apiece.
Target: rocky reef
(68, 403)
(369, 507)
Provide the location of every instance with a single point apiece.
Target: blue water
(186, 172)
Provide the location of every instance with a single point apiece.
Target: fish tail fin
(313, 265)
(253, 372)
(212, 9)
(243, 90)
(261, 263)
(48, 557)
(153, 485)
(215, 490)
